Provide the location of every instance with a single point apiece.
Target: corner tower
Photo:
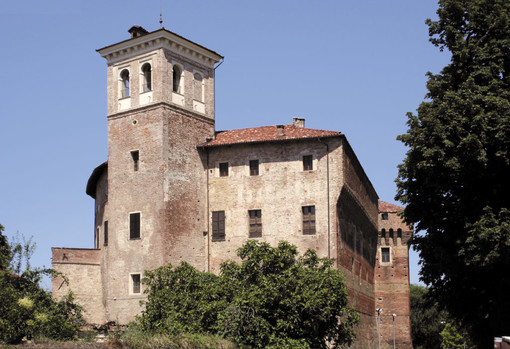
(160, 107)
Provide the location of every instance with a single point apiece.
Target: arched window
(176, 79)
(383, 233)
(399, 233)
(391, 233)
(124, 77)
(198, 87)
(147, 77)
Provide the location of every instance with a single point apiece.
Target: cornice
(159, 39)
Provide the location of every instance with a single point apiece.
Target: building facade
(174, 189)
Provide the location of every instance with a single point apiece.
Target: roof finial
(160, 14)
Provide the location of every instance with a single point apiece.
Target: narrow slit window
(308, 220)
(218, 226)
(134, 226)
(399, 233)
(391, 233)
(136, 285)
(308, 163)
(105, 232)
(385, 254)
(135, 155)
(255, 217)
(124, 77)
(383, 233)
(223, 169)
(254, 167)
(147, 77)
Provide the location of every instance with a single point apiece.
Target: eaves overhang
(161, 38)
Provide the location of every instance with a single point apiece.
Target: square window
(223, 169)
(135, 284)
(384, 216)
(134, 226)
(307, 163)
(218, 226)
(254, 167)
(385, 254)
(308, 220)
(255, 217)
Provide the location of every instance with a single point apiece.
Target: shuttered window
(218, 226)
(308, 220)
(134, 225)
(255, 223)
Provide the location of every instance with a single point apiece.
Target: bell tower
(160, 89)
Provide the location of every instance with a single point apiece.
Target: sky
(354, 66)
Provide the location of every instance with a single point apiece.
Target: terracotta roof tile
(267, 134)
(387, 207)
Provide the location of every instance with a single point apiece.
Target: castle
(174, 189)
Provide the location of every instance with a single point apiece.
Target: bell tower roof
(142, 41)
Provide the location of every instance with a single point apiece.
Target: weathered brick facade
(173, 190)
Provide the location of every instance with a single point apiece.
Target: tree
(272, 299)
(454, 179)
(27, 310)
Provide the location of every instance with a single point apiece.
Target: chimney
(137, 31)
(299, 123)
(280, 130)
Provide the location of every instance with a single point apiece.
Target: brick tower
(160, 106)
(392, 277)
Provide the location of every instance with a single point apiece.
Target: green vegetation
(454, 179)
(273, 299)
(26, 310)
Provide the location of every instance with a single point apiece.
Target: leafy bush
(27, 310)
(272, 299)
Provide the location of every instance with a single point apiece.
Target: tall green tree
(455, 177)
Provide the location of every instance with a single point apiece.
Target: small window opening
(384, 216)
(385, 254)
(399, 233)
(124, 76)
(383, 233)
(391, 233)
(308, 220)
(105, 232)
(223, 169)
(254, 167)
(135, 155)
(218, 226)
(308, 163)
(134, 226)
(147, 77)
(176, 79)
(255, 223)
(135, 281)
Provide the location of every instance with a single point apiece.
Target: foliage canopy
(27, 311)
(272, 299)
(454, 179)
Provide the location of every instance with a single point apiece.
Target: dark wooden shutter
(134, 225)
(307, 162)
(308, 220)
(218, 226)
(255, 223)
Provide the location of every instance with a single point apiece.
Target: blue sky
(350, 66)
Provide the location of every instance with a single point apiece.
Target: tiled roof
(387, 207)
(267, 134)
